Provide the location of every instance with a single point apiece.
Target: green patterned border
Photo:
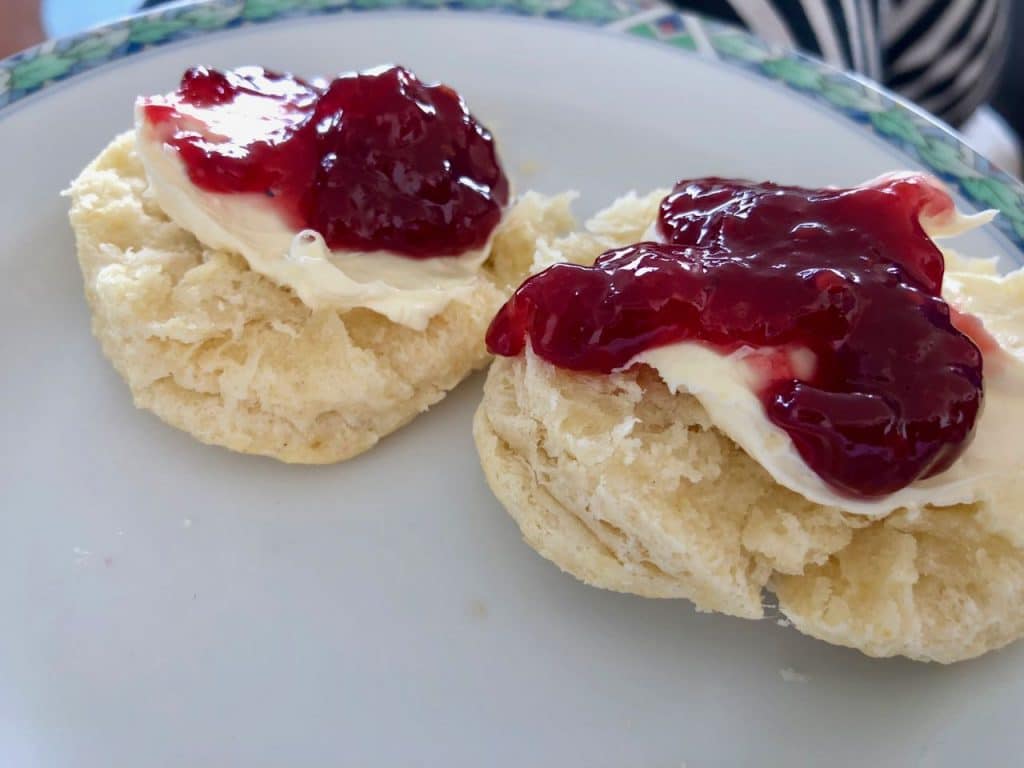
(54, 61)
(922, 138)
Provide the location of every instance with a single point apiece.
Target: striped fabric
(945, 56)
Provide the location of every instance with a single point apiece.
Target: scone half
(220, 351)
(631, 487)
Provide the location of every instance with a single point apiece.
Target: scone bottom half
(275, 280)
(218, 350)
(630, 487)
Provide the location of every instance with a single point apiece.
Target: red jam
(846, 273)
(375, 160)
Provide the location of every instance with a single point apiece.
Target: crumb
(790, 675)
(478, 609)
(285, 328)
(784, 622)
(528, 168)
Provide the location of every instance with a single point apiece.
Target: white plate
(168, 603)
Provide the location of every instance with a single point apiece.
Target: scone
(243, 354)
(626, 480)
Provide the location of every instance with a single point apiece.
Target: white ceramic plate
(166, 603)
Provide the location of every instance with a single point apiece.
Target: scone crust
(631, 488)
(217, 350)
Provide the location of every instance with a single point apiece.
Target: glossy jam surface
(848, 274)
(373, 161)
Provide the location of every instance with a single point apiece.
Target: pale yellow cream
(993, 463)
(406, 291)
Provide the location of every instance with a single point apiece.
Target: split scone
(640, 460)
(307, 327)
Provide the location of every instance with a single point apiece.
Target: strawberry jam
(849, 274)
(372, 161)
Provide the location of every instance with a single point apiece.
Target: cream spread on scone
(725, 385)
(407, 290)
(730, 378)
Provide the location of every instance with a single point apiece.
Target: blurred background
(1009, 99)
(65, 17)
(967, 43)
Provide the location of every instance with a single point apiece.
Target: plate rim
(889, 117)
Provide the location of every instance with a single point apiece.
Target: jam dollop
(849, 274)
(376, 160)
